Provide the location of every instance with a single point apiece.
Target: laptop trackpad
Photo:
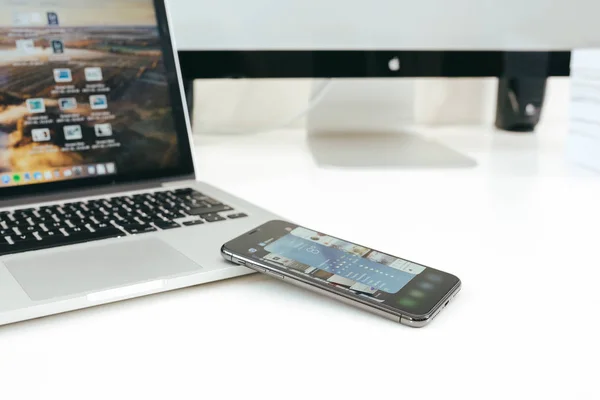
(70, 272)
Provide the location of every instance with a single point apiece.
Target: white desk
(519, 228)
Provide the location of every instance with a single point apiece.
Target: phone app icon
(93, 74)
(37, 176)
(40, 134)
(407, 302)
(26, 176)
(6, 179)
(67, 103)
(52, 18)
(412, 268)
(48, 175)
(62, 75)
(16, 178)
(98, 102)
(72, 132)
(36, 106)
(111, 168)
(91, 170)
(25, 45)
(101, 169)
(417, 294)
(58, 46)
(435, 278)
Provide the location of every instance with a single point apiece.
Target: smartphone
(401, 290)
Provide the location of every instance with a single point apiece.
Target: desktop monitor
(335, 38)
(380, 38)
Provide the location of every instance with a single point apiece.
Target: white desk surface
(519, 228)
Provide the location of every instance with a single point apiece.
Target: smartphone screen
(382, 279)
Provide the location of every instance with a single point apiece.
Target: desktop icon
(78, 171)
(21, 19)
(111, 168)
(6, 179)
(25, 45)
(40, 134)
(252, 250)
(100, 169)
(58, 47)
(16, 178)
(56, 173)
(37, 176)
(103, 130)
(48, 175)
(67, 103)
(26, 176)
(91, 170)
(72, 132)
(52, 18)
(93, 74)
(36, 106)
(98, 102)
(62, 75)
(67, 173)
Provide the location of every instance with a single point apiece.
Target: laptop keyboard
(70, 223)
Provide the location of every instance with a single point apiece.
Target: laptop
(99, 200)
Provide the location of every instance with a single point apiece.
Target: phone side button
(275, 274)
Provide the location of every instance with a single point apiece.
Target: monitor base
(382, 150)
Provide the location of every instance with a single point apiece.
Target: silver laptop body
(99, 200)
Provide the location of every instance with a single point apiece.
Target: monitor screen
(312, 25)
(85, 92)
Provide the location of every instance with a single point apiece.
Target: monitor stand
(372, 149)
(366, 124)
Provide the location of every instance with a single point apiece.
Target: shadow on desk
(383, 150)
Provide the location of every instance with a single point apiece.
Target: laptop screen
(88, 94)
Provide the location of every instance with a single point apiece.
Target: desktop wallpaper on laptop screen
(83, 91)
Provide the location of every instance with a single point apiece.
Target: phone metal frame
(315, 286)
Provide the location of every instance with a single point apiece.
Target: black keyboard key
(7, 232)
(49, 234)
(208, 210)
(78, 230)
(24, 237)
(165, 224)
(18, 223)
(56, 225)
(194, 222)
(184, 191)
(81, 221)
(212, 217)
(235, 216)
(29, 229)
(59, 241)
(101, 225)
(138, 228)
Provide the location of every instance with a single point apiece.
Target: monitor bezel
(367, 63)
(184, 169)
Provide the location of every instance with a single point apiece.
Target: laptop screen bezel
(185, 167)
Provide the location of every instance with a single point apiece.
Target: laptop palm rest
(69, 272)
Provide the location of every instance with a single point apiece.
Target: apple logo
(394, 64)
